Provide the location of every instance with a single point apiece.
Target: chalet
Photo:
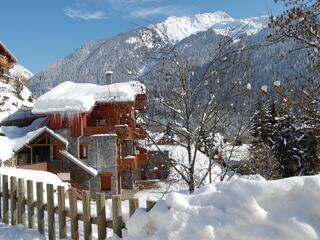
(7, 61)
(91, 134)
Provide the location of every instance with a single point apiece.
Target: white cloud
(153, 11)
(80, 14)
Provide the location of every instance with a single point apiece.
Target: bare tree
(18, 84)
(194, 104)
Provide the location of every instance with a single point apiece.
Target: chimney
(109, 77)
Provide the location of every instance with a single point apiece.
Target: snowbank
(81, 97)
(34, 175)
(237, 210)
(19, 233)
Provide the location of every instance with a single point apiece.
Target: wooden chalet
(7, 61)
(101, 141)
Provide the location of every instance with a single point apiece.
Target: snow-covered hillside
(235, 210)
(178, 28)
(9, 101)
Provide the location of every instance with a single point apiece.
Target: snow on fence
(15, 199)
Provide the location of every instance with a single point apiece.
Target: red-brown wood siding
(105, 181)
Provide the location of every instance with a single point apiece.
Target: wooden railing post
(73, 213)
(86, 215)
(13, 200)
(133, 205)
(5, 199)
(117, 215)
(101, 216)
(30, 200)
(150, 204)
(62, 213)
(40, 207)
(50, 210)
(21, 202)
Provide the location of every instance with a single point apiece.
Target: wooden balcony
(35, 166)
(4, 61)
(118, 129)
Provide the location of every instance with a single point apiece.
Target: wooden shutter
(105, 179)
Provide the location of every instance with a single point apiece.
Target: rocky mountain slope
(128, 54)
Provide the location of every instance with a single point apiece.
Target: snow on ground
(12, 136)
(234, 155)
(180, 156)
(236, 210)
(34, 175)
(19, 233)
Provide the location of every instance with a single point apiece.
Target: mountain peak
(178, 28)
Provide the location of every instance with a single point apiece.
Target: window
(128, 148)
(105, 181)
(84, 150)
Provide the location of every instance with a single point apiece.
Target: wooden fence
(19, 198)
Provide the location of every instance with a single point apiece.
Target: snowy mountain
(178, 28)
(20, 71)
(128, 54)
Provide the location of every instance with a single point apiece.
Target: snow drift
(239, 210)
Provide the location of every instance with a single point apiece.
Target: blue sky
(39, 32)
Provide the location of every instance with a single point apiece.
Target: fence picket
(40, 207)
(73, 213)
(13, 200)
(117, 215)
(86, 200)
(101, 216)
(30, 201)
(21, 202)
(62, 212)
(50, 210)
(150, 204)
(133, 205)
(5, 199)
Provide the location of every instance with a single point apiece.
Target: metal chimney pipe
(109, 77)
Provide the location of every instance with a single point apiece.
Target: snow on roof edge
(33, 135)
(92, 171)
(8, 51)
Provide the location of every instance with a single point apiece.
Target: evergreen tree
(286, 147)
(310, 135)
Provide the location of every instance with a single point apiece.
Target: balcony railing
(35, 166)
(88, 131)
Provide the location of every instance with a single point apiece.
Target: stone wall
(102, 155)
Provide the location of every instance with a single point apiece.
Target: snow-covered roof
(81, 97)
(92, 171)
(8, 51)
(29, 137)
